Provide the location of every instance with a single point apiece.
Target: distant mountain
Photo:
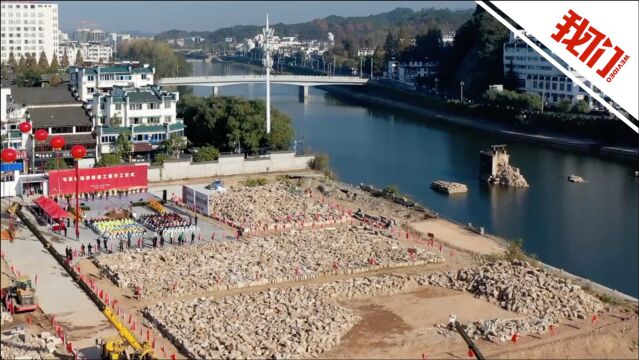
(364, 31)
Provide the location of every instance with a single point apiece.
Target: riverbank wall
(435, 110)
(229, 165)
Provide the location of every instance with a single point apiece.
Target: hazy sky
(156, 16)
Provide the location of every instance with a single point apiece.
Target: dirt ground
(457, 236)
(401, 326)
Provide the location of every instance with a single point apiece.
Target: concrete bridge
(303, 81)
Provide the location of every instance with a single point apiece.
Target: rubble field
(269, 259)
(305, 321)
(274, 206)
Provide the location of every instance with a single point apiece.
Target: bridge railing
(274, 77)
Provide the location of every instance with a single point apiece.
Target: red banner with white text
(124, 177)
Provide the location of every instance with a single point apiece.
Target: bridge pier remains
(216, 91)
(303, 91)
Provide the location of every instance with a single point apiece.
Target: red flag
(133, 326)
(101, 294)
(593, 319)
(29, 320)
(552, 329)
(172, 356)
(148, 335)
(153, 344)
(471, 353)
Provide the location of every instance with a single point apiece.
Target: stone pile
(295, 255)
(499, 330)
(256, 208)
(447, 187)
(509, 176)
(19, 343)
(281, 323)
(522, 288)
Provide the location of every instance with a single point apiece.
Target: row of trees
(157, 53)
(231, 124)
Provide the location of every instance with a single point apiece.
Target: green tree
(65, 60)
(227, 123)
(320, 162)
(53, 68)
(43, 62)
(79, 60)
(206, 153)
(12, 60)
(174, 144)
(109, 160)
(563, 106)
(581, 107)
(124, 146)
(32, 64)
(29, 78)
(22, 65)
(157, 53)
(55, 80)
(391, 46)
(56, 164)
(428, 45)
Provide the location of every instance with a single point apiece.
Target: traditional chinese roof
(42, 95)
(59, 116)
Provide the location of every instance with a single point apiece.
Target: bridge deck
(300, 80)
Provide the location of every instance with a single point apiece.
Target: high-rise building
(28, 28)
(537, 75)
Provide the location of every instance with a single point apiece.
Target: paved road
(57, 294)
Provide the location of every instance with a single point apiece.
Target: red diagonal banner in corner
(595, 44)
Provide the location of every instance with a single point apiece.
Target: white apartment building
(86, 81)
(126, 106)
(89, 35)
(116, 39)
(408, 72)
(28, 28)
(147, 113)
(537, 75)
(91, 52)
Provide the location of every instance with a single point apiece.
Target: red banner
(99, 179)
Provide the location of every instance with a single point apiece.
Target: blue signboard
(12, 166)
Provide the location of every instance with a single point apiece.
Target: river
(588, 229)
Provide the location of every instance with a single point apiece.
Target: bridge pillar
(303, 93)
(216, 91)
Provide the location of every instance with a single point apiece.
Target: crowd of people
(116, 229)
(169, 223)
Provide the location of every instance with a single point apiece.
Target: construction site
(290, 266)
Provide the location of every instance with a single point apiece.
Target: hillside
(364, 31)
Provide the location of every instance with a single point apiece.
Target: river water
(588, 229)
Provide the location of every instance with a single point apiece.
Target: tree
(563, 106)
(109, 160)
(55, 164)
(229, 123)
(124, 146)
(22, 65)
(53, 68)
(428, 45)
(320, 162)
(581, 107)
(12, 60)
(32, 64)
(79, 60)
(65, 60)
(29, 78)
(391, 46)
(157, 53)
(206, 153)
(174, 144)
(115, 121)
(55, 80)
(43, 62)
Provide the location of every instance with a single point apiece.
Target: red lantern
(78, 152)
(25, 127)
(57, 142)
(9, 155)
(41, 135)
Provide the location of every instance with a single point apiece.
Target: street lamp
(461, 91)
(78, 152)
(436, 81)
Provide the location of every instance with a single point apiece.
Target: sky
(158, 16)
